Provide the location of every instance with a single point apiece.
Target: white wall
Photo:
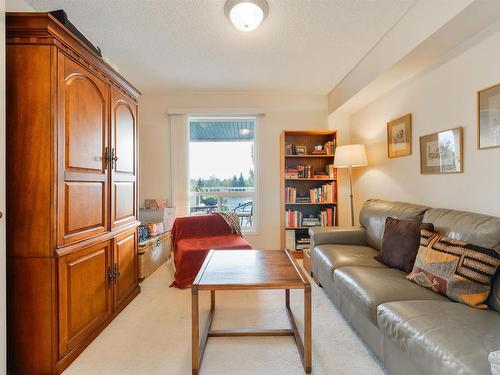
(441, 99)
(281, 112)
(18, 6)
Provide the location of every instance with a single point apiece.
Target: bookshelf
(308, 185)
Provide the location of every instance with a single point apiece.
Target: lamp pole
(350, 195)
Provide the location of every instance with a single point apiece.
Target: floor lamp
(350, 156)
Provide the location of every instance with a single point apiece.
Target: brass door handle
(117, 272)
(113, 158)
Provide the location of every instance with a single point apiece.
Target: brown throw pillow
(401, 242)
(457, 269)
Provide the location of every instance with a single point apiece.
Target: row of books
(302, 243)
(293, 149)
(325, 218)
(307, 171)
(324, 194)
(329, 147)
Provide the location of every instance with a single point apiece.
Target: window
(222, 167)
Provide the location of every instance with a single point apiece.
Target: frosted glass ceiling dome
(246, 15)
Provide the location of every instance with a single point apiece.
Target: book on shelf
(290, 240)
(293, 219)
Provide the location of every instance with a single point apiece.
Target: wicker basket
(153, 253)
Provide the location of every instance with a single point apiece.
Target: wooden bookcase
(318, 164)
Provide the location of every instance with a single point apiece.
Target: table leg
(195, 338)
(307, 330)
(212, 300)
(287, 298)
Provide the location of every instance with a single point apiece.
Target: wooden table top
(250, 269)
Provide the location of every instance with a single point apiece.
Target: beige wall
(441, 99)
(280, 112)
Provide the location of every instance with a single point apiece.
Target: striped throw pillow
(455, 268)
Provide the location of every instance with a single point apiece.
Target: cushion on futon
(369, 287)
(448, 336)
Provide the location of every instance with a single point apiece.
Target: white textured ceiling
(304, 46)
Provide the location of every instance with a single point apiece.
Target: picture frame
(399, 137)
(442, 152)
(488, 117)
(301, 149)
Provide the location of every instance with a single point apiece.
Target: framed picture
(488, 117)
(442, 152)
(399, 137)
(301, 150)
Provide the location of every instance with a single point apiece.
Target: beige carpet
(152, 336)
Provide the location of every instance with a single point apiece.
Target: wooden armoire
(71, 194)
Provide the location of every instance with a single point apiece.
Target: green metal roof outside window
(221, 130)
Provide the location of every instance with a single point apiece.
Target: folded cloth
(232, 220)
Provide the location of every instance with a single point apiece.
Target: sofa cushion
(375, 211)
(451, 337)
(369, 287)
(455, 268)
(477, 229)
(400, 243)
(336, 256)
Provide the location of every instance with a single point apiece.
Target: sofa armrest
(341, 236)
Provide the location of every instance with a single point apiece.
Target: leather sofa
(411, 329)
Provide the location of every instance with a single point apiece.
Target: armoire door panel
(124, 137)
(84, 206)
(124, 196)
(85, 124)
(85, 293)
(124, 165)
(83, 209)
(125, 258)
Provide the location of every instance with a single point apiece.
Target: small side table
(153, 253)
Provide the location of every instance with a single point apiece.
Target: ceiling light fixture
(246, 15)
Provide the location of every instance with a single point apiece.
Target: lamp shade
(350, 156)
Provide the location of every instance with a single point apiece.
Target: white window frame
(255, 193)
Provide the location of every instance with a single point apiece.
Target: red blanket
(193, 237)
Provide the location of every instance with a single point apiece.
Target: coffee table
(250, 270)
